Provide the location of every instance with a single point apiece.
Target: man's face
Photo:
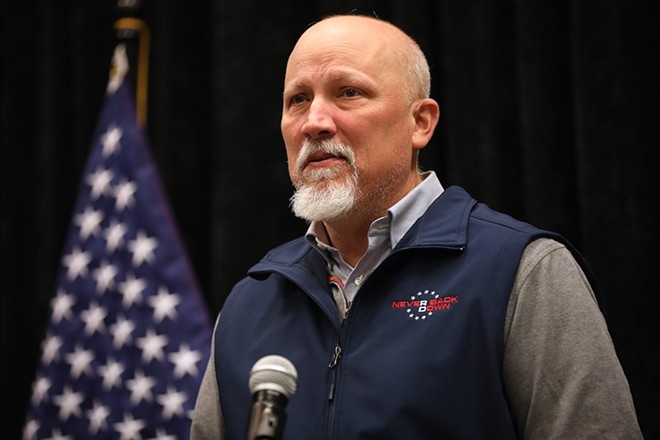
(344, 84)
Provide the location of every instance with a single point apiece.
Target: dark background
(550, 112)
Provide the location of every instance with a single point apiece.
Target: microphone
(273, 381)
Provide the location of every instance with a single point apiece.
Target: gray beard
(322, 194)
(324, 199)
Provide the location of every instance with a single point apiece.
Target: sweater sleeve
(207, 422)
(561, 373)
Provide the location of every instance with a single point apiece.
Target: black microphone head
(273, 372)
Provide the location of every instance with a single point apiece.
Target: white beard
(325, 200)
(319, 197)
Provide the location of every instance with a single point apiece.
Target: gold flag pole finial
(127, 28)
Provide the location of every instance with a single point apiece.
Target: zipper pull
(335, 357)
(348, 308)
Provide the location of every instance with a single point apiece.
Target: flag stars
(89, 222)
(100, 182)
(69, 403)
(129, 428)
(114, 235)
(61, 305)
(80, 361)
(152, 346)
(93, 319)
(30, 429)
(118, 358)
(164, 304)
(172, 402)
(110, 140)
(121, 332)
(50, 348)
(140, 387)
(97, 418)
(40, 389)
(124, 193)
(143, 248)
(131, 290)
(185, 361)
(111, 373)
(105, 276)
(76, 263)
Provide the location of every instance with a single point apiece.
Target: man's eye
(350, 92)
(297, 99)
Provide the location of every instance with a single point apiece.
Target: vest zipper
(333, 363)
(334, 366)
(336, 355)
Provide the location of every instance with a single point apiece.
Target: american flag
(128, 336)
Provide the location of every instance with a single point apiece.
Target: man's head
(355, 114)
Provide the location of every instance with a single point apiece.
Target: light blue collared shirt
(384, 234)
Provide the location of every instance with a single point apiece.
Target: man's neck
(350, 238)
(350, 233)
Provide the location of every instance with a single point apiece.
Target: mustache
(311, 147)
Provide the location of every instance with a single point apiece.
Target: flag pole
(129, 27)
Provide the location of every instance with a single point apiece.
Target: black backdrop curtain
(549, 112)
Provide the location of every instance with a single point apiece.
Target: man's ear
(427, 114)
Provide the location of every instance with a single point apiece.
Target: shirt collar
(399, 218)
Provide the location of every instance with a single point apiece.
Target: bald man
(410, 311)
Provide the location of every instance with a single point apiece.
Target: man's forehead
(349, 29)
(343, 49)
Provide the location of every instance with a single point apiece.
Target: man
(410, 311)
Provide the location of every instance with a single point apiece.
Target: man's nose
(320, 122)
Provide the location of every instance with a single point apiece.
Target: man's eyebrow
(331, 75)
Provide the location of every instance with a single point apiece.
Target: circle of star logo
(420, 312)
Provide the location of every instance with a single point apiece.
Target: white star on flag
(80, 361)
(89, 222)
(51, 348)
(61, 306)
(105, 276)
(124, 195)
(77, 262)
(111, 373)
(110, 140)
(143, 248)
(114, 235)
(97, 418)
(121, 332)
(164, 304)
(185, 361)
(31, 428)
(152, 346)
(140, 387)
(131, 289)
(93, 319)
(172, 402)
(40, 389)
(69, 403)
(129, 428)
(100, 182)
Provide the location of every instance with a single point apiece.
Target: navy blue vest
(421, 349)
